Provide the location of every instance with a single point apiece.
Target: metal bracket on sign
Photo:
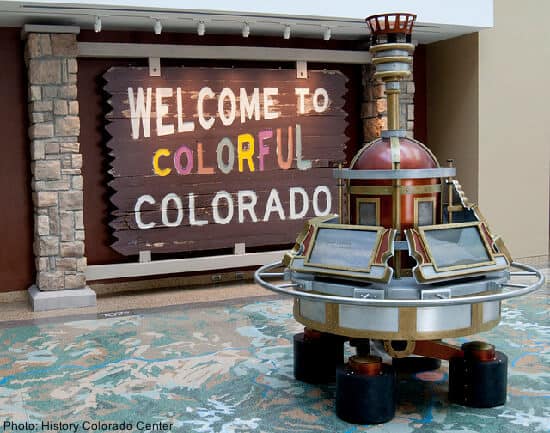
(145, 256)
(154, 66)
(301, 69)
(239, 249)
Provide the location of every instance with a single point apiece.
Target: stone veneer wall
(374, 110)
(56, 161)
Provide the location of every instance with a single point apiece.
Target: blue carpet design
(227, 367)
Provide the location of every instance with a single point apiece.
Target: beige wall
(452, 108)
(514, 127)
(486, 110)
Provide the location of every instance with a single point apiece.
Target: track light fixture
(246, 30)
(157, 27)
(286, 33)
(327, 34)
(201, 28)
(97, 24)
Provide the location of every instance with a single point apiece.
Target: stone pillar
(407, 107)
(56, 168)
(374, 108)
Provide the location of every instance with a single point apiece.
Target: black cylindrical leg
(478, 383)
(415, 364)
(317, 356)
(364, 399)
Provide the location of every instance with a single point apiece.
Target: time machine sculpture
(408, 261)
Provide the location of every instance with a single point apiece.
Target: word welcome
(249, 107)
(246, 204)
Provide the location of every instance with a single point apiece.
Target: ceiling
(125, 17)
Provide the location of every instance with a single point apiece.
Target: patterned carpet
(227, 367)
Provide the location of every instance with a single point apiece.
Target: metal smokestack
(392, 55)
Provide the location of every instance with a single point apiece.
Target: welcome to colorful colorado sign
(205, 158)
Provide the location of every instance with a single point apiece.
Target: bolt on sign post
(204, 158)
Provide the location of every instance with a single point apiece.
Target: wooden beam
(163, 51)
(178, 266)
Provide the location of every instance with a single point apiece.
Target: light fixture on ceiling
(201, 28)
(327, 34)
(157, 27)
(286, 32)
(246, 30)
(97, 24)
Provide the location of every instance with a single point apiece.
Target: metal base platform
(402, 310)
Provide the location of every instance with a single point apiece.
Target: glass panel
(456, 246)
(350, 249)
(425, 213)
(367, 214)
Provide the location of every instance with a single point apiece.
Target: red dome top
(377, 155)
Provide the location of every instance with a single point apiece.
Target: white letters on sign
(223, 207)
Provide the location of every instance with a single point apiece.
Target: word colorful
(246, 149)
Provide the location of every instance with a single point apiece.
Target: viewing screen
(343, 248)
(460, 246)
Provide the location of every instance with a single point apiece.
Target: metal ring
(419, 173)
(519, 290)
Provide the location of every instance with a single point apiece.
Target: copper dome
(377, 155)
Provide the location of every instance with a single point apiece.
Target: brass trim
(372, 190)
(455, 208)
(477, 313)
(409, 349)
(407, 322)
(488, 249)
(394, 46)
(396, 205)
(418, 200)
(376, 202)
(392, 59)
(362, 276)
(331, 314)
(421, 189)
(437, 278)
(332, 319)
(501, 247)
(392, 112)
(388, 190)
(385, 75)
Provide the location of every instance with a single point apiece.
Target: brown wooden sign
(204, 158)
